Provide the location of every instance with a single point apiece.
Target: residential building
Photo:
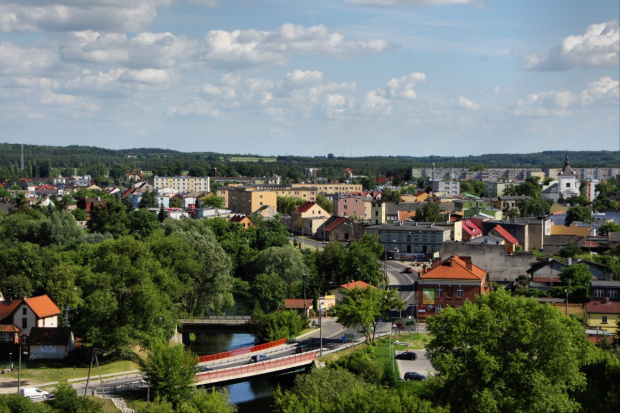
(510, 241)
(266, 211)
(601, 315)
(449, 283)
(306, 210)
(242, 220)
(332, 188)
(27, 313)
(339, 229)
(337, 292)
(347, 206)
(183, 183)
(529, 232)
(302, 306)
(447, 187)
(247, 200)
(46, 343)
(602, 289)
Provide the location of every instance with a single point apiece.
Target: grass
(417, 340)
(48, 371)
(251, 159)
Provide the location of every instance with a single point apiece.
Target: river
(252, 396)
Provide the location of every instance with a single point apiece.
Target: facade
(339, 229)
(183, 183)
(27, 313)
(529, 232)
(601, 315)
(247, 200)
(415, 237)
(346, 206)
(448, 187)
(306, 210)
(332, 188)
(601, 290)
(50, 343)
(449, 283)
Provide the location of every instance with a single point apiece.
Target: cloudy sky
(312, 77)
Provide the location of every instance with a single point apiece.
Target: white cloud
(305, 77)
(410, 3)
(599, 46)
(74, 15)
(155, 50)
(403, 87)
(462, 103)
(375, 104)
(25, 61)
(244, 47)
(210, 3)
(604, 91)
(195, 106)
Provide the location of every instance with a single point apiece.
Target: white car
(34, 393)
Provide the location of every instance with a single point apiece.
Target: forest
(105, 164)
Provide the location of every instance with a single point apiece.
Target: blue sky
(288, 77)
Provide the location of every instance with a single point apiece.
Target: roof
(305, 206)
(455, 268)
(7, 308)
(566, 170)
(356, 284)
(49, 336)
(8, 328)
(335, 223)
(597, 307)
(506, 235)
(42, 305)
(547, 280)
(297, 303)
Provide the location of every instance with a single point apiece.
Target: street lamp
(11, 361)
(566, 291)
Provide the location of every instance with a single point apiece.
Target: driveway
(422, 365)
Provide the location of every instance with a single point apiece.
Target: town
(132, 270)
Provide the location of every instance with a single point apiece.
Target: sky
(310, 78)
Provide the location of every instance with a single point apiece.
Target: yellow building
(332, 188)
(246, 200)
(572, 230)
(601, 315)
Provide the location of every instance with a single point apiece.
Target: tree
(577, 214)
(607, 227)
(432, 213)
(325, 203)
(110, 217)
(269, 292)
(576, 279)
(500, 354)
(143, 223)
(364, 307)
(391, 196)
(148, 200)
(570, 250)
(170, 371)
(275, 326)
(213, 201)
(176, 202)
(287, 262)
(66, 400)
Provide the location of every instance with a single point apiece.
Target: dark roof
(49, 336)
(566, 170)
(543, 263)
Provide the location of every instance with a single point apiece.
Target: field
(251, 159)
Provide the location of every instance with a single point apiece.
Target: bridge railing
(255, 368)
(241, 351)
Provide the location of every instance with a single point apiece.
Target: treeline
(50, 161)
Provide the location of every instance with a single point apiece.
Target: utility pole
(19, 368)
(105, 402)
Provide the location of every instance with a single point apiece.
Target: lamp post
(11, 361)
(305, 310)
(566, 291)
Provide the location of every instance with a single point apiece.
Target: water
(251, 396)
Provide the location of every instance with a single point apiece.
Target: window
(389, 237)
(598, 293)
(400, 237)
(24, 311)
(568, 184)
(459, 291)
(24, 323)
(439, 291)
(438, 309)
(604, 319)
(613, 293)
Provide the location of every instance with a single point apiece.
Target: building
(27, 313)
(183, 183)
(332, 188)
(247, 200)
(306, 210)
(348, 206)
(339, 229)
(566, 185)
(50, 343)
(447, 187)
(449, 283)
(601, 315)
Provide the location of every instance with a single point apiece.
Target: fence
(255, 368)
(241, 351)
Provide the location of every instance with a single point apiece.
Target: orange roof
(455, 268)
(305, 206)
(506, 235)
(42, 306)
(403, 215)
(8, 328)
(356, 284)
(596, 307)
(297, 303)
(8, 307)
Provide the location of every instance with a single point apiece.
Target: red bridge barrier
(255, 368)
(241, 351)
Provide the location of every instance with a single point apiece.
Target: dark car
(408, 270)
(412, 375)
(407, 355)
(301, 348)
(259, 357)
(200, 369)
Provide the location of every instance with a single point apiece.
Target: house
(266, 211)
(348, 206)
(337, 292)
(339, 229)
(299, 305)
(566, 185)
(27, 313)
(601, 315)
(449, 283)
(601, 289)
(306, 210)
(470, 230)
(50, 343)
(511, 242)
(243, 220)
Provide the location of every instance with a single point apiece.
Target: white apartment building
(183, 183)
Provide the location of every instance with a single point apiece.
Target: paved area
(422, 365)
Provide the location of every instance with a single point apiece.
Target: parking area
(422, 365)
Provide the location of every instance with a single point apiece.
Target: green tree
(325, 203)
(269, 292)
(390, 195)
(212, 401)
(286, 204)
(66, 400)
(607, 227)
(570, 250)
(148, 200)
(275, 326)
(213, 201)
(432, 213)
(287, 262)
(176, 202)
(577, 214)
(142, 223)
(500, 354)
(110, 217)
(364, 307)
(14, 403)
(576, 279)
(170, 372)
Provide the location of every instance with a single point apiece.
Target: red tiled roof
(356, 284)
(305, 206)
(506, 235)
(237, 218)
(43, 306)
(8, 328)
(597, 307)
(49, 336)
(335, 223)
(454, 268)
(297, 303)
(403, 215)
(8, 307)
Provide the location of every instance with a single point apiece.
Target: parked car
(408, 270)
(412, 375)
(34, 393)
(407, 355)
(259, 357)
(301, 348)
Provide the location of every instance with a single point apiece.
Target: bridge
(217, 320)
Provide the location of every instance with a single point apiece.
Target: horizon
(354, 78)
